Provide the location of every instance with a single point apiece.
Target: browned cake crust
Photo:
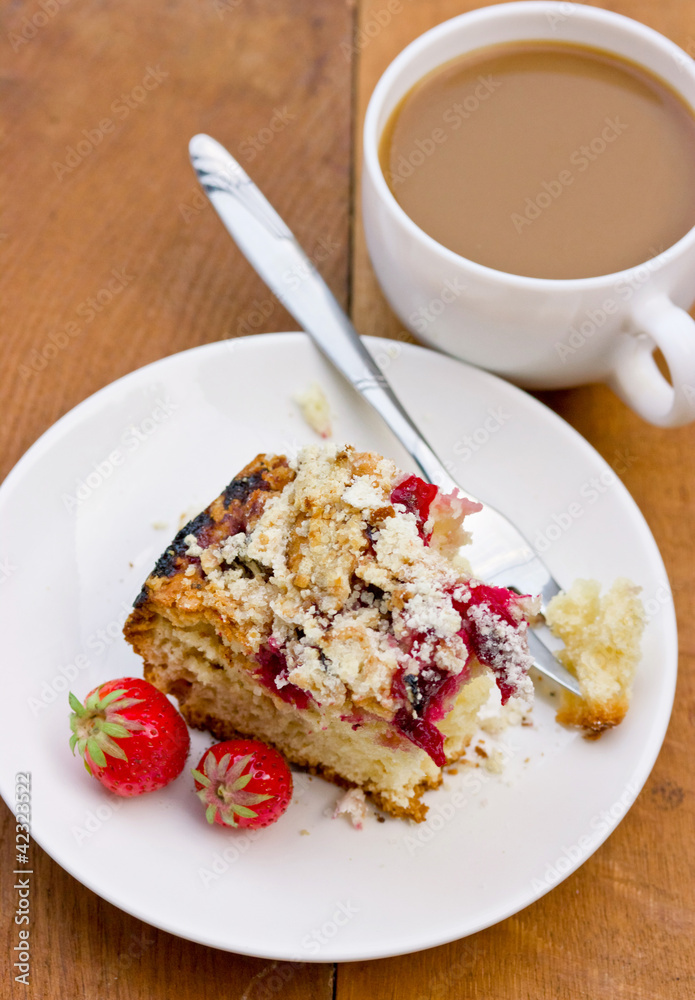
(188, 599)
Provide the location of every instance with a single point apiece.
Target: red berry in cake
(243, 783)
(131, 737)
(416, 496)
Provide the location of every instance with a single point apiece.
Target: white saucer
(81, 525)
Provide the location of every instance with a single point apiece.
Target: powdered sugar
(364, 495)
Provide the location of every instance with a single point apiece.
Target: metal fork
(499, 553)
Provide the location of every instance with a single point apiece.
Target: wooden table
(98, 102)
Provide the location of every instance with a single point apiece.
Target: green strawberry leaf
(201, 779)
(243, 811)
(242, 782)
(76, 705)
(232, 775)
(73, 741)
(251, 798)
(108, 746)
(111, 696)
(210, 813)
(95, 752)
(210, 767)
(93, 702)
(112, 728)
(118, 706)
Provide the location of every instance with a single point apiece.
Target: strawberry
(131, 737)
(243, 783)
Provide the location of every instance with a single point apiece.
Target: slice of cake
(320, 605)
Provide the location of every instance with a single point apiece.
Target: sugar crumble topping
(505, 648)
(345, 586)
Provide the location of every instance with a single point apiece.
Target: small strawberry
(243, 783)
(131, 737)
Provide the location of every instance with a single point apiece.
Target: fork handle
(271, 248)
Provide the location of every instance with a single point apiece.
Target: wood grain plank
(84, 197)
(623, 925)
(110, 258)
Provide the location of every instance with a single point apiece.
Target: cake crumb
(353, 805)
(314, 408)
(304, 833)
(494, 761)
(602, 636)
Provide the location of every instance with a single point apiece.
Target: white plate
(81, 518)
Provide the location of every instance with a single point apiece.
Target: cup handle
(636, 378)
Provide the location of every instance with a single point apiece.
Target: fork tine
(549, 665)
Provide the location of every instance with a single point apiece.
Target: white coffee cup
(539, 333)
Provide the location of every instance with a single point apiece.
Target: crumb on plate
(315, 409)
